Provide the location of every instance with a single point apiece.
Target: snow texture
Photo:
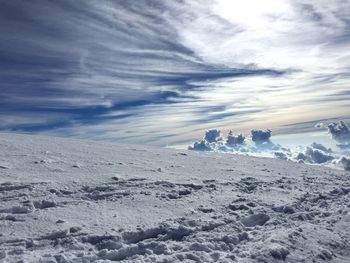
(126, 203)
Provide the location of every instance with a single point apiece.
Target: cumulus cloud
(261, 136)
(213, 141)
(202, 145)
(321, 147)
(301, 157)
(234, 140)
(340, 132)
(314, 155)
(261, 145)
(213, 135)
(281, 155)
(346, 163)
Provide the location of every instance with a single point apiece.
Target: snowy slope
(65, 200)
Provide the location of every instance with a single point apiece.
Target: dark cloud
(202, 145)
(234, 140)
(212, 136)
(261, 136)
(346, 163)
(318, 156)
(340, 132)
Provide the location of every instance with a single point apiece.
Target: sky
(162, 72)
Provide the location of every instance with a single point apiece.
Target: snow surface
(65, 200)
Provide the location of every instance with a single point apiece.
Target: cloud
(319, 125)
(340, 132)
(234, 140)
(260, 136)
(145, 71)
(346, 163)
(212, 136)
(202, 145)
(314, 155)
(213, 141)
(259, 144)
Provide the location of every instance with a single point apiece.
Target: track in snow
(82, 201)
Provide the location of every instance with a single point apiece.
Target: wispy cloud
(147, 71)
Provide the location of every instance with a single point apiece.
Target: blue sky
(163, 71)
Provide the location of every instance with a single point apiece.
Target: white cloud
(98, 55)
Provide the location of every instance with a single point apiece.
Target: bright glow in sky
(163, 71)
(251, 14)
